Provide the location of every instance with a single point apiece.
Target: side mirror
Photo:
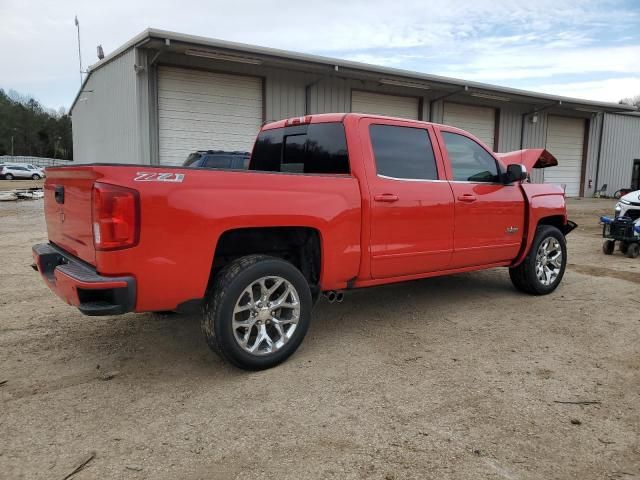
(515, 173)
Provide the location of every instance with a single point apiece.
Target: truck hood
(529, 157)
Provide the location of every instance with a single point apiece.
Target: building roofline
(153, 33)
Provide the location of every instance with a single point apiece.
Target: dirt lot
(13, 184)
(449, 378)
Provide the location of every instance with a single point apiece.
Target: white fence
(38, 161)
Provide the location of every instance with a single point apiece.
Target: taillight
(116, 217)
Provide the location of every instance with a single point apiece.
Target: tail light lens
(116, 217)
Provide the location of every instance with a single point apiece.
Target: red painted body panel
(484, 215)
(482, 226)
(413, 234)
(181, 224)
(543, 201)
(364, 242)
(70, 226)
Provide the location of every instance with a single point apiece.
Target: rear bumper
(79, 285)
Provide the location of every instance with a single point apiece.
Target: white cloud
(608, 90)
(531, 62)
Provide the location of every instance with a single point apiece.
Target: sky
(587, 49)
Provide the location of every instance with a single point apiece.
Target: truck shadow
(168, 345)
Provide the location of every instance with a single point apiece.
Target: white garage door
(383, 104)
(478, 121)
(206, 111)
(565, 138)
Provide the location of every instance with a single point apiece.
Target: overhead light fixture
(490, 97)
(581, 109)
(404, 83)
(223, 56)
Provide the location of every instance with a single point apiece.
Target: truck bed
(184, 211)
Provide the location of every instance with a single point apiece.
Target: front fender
(545, 204)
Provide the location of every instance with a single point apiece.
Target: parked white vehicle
(9, 171)
(629, 206)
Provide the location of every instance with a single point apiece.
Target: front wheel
(542, 269)
(608, 247)
(35, 176)
(257, 312)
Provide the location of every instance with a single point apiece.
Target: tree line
(635, 101)
(28, 128)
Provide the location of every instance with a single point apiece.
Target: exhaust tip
(330, 296)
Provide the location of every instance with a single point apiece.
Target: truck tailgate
(67, 204)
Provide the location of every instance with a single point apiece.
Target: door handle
(386, 197)
(467, 197)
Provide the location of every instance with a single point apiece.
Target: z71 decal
(158, 177)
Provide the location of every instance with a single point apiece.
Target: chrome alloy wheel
(266, 315)
(548, 261)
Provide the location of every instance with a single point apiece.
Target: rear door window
(318, 148)
(403, 152)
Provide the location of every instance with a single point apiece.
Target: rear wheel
(608, 246)
(542, 269)
(257, 312)
(633, 250)
(8, 176)
(623, 247)
(35, 176)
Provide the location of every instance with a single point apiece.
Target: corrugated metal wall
(620, 146)
(592, 155)
(333, 94)
(510, 129)
(105, 117)
(330, 95)
(115, 119)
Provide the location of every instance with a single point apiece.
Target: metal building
(163, 95)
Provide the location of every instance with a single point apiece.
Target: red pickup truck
(330, 202)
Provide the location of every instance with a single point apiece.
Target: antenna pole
(79, 54)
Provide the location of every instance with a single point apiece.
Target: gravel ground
(20, 183)
(445, 378)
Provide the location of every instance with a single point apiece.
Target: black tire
(524, 276)
(227, 288)
(618, 194)
(8, 176)
(633, 250)
(623, 247)
(608, 247)
(35, 176)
